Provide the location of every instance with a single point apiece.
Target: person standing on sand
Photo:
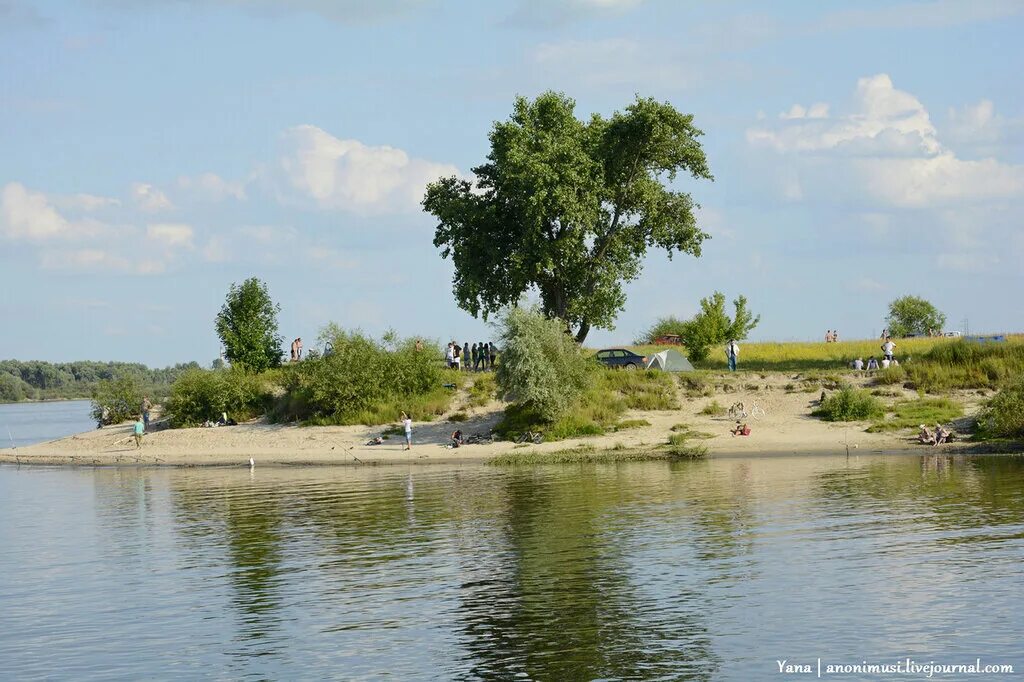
(145, 409)
(140, 429)
(449, 355)
(407, 425)
(732, 351)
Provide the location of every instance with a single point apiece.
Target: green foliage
(679, 446)
(569, 207)
(913, 315)
(116, 400)
(959, 365)
(201, 394)
(1003, 416)
(542, 370)
(850, 404)
(641, 390)
(712, 325)
(38, 380)
(12, 388)
(713, 409)
(247, 326)
(912, 413)
(631, 424)
(664, 326)
(582, 454)
(365, 381)
(483, 390)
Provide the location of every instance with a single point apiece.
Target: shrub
(202, 394)
(365, 381)
(679, 446)
(1003, 416)
(116, 400)
(12, 388)
(714, 409)
(850, 404)
(542, 368)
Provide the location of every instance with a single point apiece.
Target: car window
(603, 354)
(619, 353)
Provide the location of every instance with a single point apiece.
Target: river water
(709, 570)
(26, 423)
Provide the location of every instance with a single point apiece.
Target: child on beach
(740, 430)
(407, 424)
(140, 429)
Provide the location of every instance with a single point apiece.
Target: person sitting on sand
(377, 440)
(740, 430)
(925, 436)
(941, 435)
(885, 363)
(858, 364)
(872, 364)
(457, 439)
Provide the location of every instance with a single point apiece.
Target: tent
(670, 361)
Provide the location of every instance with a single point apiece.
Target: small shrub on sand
(631, 424)
(200, 395)
(850, 404)
(1003, 416)
(458, 417)
(483, 389)
(714, 409)
(679, 446)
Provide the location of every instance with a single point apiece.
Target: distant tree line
(38, 380)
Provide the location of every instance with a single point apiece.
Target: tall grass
(912, 413)
(804, 356)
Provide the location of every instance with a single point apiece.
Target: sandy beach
(786, 429)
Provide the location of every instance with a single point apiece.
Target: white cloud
(150, 199)
(917, 15)
(25, 214)
(883, 113)
(966, 262)
(345, 174)
(212, 187)
(816, 110)
(216, 249)
(171, 235)
(331, 258)
(866, 285)
(85, 202)
(888, 150)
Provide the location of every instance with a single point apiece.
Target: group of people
(888, 358)
(476, 357)
(832, 336)
(940, 436)
(297, 349)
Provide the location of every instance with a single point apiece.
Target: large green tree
(913, 315)
(569, 208)
(247, 326)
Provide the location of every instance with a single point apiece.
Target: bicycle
(740, 411)
(756, 411)
(531, 437)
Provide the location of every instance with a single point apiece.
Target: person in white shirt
(858, 364)
(885, 363)
(449, 355)
(732, 351)
(888, 349)
(407, 425)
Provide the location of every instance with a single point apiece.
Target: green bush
(116, 400)
(714, 409)
(850, 404)
(202, 394)
(365, 381)
(542, 369)
(1003, 416)
(12, 388)
(911, 413)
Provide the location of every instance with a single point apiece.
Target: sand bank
(786, 429)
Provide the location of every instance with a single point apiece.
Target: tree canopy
(247, 326)
(712, 325)
(569, 208)
(913, 315)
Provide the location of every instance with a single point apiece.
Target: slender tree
(569, 208)
(247, 326)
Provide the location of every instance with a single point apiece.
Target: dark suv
(621, 358)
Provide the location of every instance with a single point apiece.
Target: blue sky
(155, 151)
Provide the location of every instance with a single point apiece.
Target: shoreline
(786, 430)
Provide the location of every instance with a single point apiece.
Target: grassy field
(818, 355)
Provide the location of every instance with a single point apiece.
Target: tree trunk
(584, 329)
